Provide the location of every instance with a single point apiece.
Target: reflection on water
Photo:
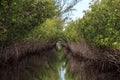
(62, 71)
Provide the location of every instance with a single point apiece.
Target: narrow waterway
(62, 71)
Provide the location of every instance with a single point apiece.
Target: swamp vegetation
(35, 42)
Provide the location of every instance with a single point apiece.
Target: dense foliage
(72, 32)
(100, 27)
(34, 21)
(31, 20)
(100, 24)
(18, 17)
(43, 21)
(49, 31)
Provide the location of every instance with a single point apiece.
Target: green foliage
(100, 27)
(32, 19)
(50, 30)
(69, 75)
(71, 32)
(20, 17)
(100, 24)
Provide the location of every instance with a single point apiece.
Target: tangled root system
(91, 63)
(21, 60)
